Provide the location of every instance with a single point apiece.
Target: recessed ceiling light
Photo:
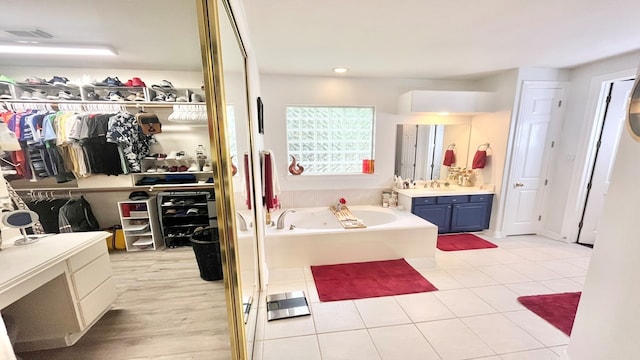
(340, 70)
(444, 113)
(56, 49)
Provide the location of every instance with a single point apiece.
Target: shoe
(207, 167)
(35, 81)
(5, 95)
(172, 155)
(67, 95)
(182, 99)
(109, 81)
(85, 80)
(194, 167)
(170, 98)
(152, 170)
(114, 96)
(173, 169)
(135, 82)
(131, 97)
(139, 97)
(58, 81)
(39, 95)
(163, 85)
(196, 98)
(160, 96)
(183, 168)
(92, 96)
(52, 97)
(193, 211)
(6, 79)
(26, 95)
(163, 169)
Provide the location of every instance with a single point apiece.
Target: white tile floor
(474, 314)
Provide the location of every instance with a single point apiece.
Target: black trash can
(206, 246)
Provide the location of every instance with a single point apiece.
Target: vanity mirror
(420, 149)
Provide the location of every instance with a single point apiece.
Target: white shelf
(141, 237)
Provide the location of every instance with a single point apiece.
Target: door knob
(518, 184)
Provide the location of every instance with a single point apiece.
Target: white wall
(280, 91)
(608, 317)
(570, 168)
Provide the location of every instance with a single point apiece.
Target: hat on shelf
(138, 195)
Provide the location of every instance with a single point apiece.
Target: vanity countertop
(447, 191)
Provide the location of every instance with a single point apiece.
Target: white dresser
(55, 289)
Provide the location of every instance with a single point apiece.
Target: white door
(408, 158)
(606, 153)
(538, 123)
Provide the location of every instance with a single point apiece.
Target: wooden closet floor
(163, 311)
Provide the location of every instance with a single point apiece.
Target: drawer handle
(454, 200)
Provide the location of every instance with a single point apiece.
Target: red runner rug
(558, 309)
(368, 279)
(455, 242)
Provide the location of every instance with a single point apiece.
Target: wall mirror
(420, 149)
(238, 142)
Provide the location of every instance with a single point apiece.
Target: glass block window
(330, 139)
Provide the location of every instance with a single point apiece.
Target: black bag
(76, 216)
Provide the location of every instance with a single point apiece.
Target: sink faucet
(241, 221)
(281, 218)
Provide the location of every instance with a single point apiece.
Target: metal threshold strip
(287, 305)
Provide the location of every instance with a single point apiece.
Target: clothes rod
(149, 188)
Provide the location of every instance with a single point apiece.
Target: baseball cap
(138, 195)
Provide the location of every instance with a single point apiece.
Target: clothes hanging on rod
(72, 144)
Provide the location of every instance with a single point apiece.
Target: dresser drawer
(87, 255)
(453, 199)
(99, 300)
(424, 201)
(480, 198)
(91, 276)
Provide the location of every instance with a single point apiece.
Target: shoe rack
(139, 219)
(94, 93)
(182, 212)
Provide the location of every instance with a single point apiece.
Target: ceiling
(375, 38)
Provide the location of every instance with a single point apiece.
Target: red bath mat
(455, 242)
(558, 309)
(368, 279)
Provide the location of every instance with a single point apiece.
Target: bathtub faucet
(281, 218)
(241, 222)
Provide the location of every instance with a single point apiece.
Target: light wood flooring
(163, 311)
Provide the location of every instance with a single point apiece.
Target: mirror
(420, 149)
(633, 118)
(238, 142)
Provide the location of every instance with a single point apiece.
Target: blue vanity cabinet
(457, 213)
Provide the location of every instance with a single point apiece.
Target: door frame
(507, 178)
(596, 105)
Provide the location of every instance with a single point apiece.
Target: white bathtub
(317, 238)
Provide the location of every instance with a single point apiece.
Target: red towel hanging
(270, 200)
(449, 158)
(479, 160)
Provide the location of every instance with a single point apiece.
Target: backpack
(76, 216)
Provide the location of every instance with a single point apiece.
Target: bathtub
(313, 236)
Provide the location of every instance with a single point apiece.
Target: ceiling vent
(30, 34)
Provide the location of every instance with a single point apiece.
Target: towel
(270, 184)
(449, 158)
(479, 160)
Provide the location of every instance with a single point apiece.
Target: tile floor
(474, 314)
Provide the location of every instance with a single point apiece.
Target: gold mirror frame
(211, 51)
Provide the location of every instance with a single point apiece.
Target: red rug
(455, 242)
(558, 309)
(367, 280)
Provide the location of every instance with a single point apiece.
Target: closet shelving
(140, 226)
(17, 90)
